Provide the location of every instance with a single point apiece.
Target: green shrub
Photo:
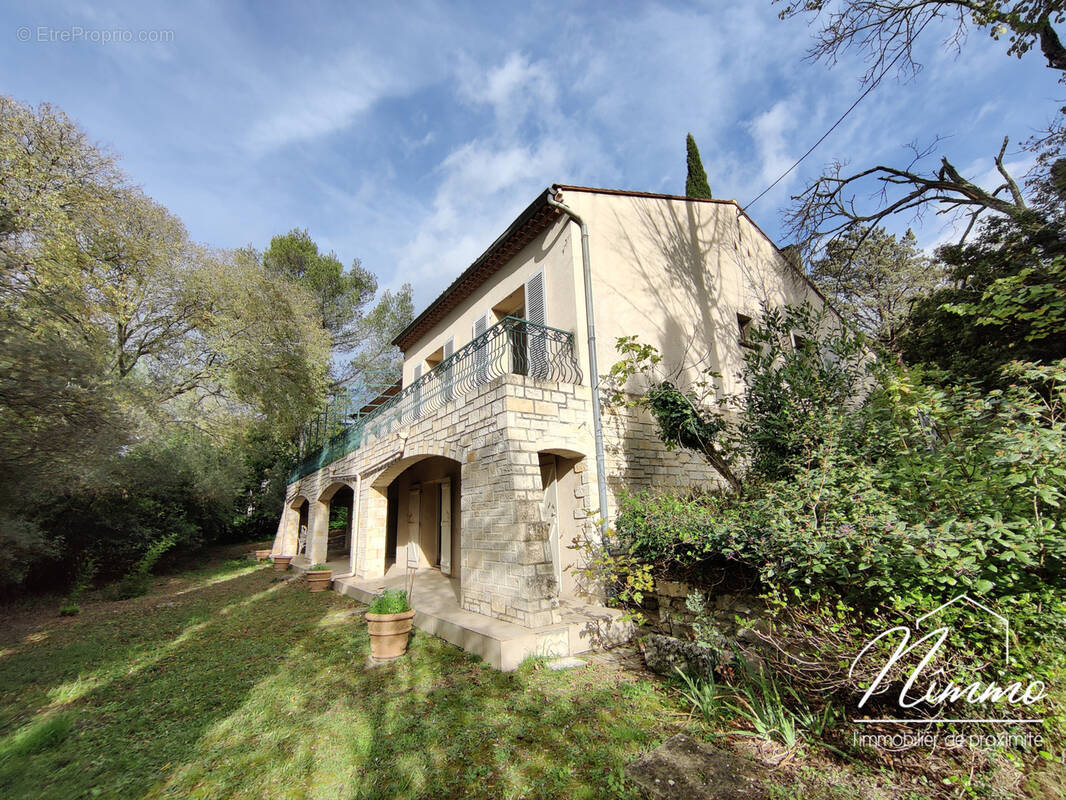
(704, 694)
(947, 490)
(391, 601)
(69, 609)
(320, 567)
(139, 579)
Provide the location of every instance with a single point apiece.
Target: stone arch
(390, 518)
(413, 456)
(319, 549)
(296, 513)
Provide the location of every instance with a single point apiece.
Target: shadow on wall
(700, 265)
(707, 264)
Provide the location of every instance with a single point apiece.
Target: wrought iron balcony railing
(512, 345)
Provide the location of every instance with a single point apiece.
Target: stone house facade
(484, 463)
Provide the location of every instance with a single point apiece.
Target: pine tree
(696, 185)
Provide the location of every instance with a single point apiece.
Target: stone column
(318, 535)
(372, 528)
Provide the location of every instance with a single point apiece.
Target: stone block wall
(495, 433)
(731, 613)
(638, 459)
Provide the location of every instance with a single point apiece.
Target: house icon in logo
(993, 618)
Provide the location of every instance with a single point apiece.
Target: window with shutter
(537, 313)
(481, 352)
(446, 369)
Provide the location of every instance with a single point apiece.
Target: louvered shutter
(481, 351)
(447, 375)
(536, 337)
(416, 394)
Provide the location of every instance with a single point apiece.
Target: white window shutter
(417, 392)
(481, 353)
(535, 303)
(446, 376)
(446, 526)
(537, 313)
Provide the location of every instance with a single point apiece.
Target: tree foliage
(361, 330)
(696, 184)
(129, 353)
(886, 32)
(802, 368)
(875, 278)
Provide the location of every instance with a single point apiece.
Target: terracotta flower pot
(318, 579)
(388, 634)
(281, 563)
(262, 555)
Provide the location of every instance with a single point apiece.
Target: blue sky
(409, 135)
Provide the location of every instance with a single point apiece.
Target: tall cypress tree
(696, 185)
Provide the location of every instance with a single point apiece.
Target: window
(417, 392)
(536, 313)
(799, 342)
(744, 328)
(481, 351)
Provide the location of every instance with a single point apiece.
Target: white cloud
(773, 144)
(323, 103)
(485, 181)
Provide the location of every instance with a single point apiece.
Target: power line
(833, 127)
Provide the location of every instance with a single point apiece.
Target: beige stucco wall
(552, 251)
(676, 273)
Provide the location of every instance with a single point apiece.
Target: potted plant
(262, 555)
(389, 622)
(318, 577)
(281, 563)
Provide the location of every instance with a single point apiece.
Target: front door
(550, 510)
(445, 541)
(414, 515)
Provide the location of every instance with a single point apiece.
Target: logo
(928, 685)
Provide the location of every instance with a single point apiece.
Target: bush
(139, 579)
(856, 511)
(22, 543)
(950, 492)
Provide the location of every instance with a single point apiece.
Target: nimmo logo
(929, 685)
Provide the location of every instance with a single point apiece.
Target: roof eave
(535, 218)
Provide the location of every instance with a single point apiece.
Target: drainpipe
(594, 379)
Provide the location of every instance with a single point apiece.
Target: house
(495, 455)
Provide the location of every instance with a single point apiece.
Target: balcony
(511, 346)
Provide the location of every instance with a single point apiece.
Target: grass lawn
(230, 682)
(226, 682)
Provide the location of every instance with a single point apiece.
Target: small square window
(799, 342)
(744, 328)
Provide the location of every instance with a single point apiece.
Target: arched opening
(422, 521)
(329, 538)
(564, 483)
(295, 526)
(341, 513)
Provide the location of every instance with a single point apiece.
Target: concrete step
(502, 644)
